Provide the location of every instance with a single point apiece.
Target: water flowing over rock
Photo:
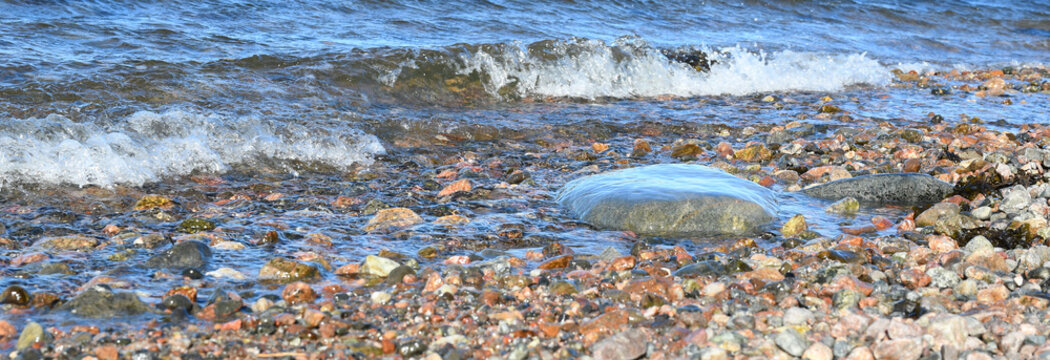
(885, 189)
(671, 200)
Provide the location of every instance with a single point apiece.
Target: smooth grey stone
(671, 200)
(904, 189)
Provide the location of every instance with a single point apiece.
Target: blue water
(132, 92)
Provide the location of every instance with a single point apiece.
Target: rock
(978, 243)
(671, 200)
(942, 278)
(378, 266)
(791, 342)
(860, 353)
(6, 329)
(989, 259)
(281, 270)
(992, 295)
(184, 255)
(845, 299)
(818, 351)
(903, 189)
(392, 218)
(982, 213)
(701, 268)
(195, 225)
(101, 302)
(626, 345)
(14, 295)
(68, 243)
(794, 226)
(845, 206)
(1015, 199)
(713, 353)
(947, 329)
(797, 316)
(153, 201)
(298, 293)
(936, 212)
(753, 153)
(32, 333)
(380, 297)
(457, 186)
(901, 349)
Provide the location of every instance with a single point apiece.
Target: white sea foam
(147, 147)
(591, 69)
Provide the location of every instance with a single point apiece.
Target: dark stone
(186, 254)
(885, 189)
(101, 302)
(178, 302)
(398, 274)
(15, 295)
(701, 268)
(671, 200)
(193, 274)
(195, 225)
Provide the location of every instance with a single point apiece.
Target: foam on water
(626, 69)
(149, 146)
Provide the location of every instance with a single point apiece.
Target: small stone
(818, 351)
(15, 295)
(153, 201)
(1015, 199)
(860, 353)
(32, 333)
(791, 342)
(392, 218)
(989, 259)
(457, 186)
(982, 213)
(912, 166)
(281, 270)
(100, 302)
(380, 297)
(947, 329)
(298, 293)
(828, 109)
(226, 272)
(186, 254)
(560, 262)
(901, 349)
(794, 226)
(262, 304)
(107, 352)
(797, 316)
(845, 299)
(626, 345)
(6, 329)
(845, 206)
(195, 225)
(753, 153)
(941, 243)
(936, 212)
(942, 278)
(992, 295)
(68, 243)
(686, 151)
(378, 266)
(978, 243)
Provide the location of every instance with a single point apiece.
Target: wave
(148, 146)
(627, 69)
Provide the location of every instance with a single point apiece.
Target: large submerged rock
(671, 200)
(905, 189)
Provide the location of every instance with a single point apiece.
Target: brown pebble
(557, 263)
(6, 329)
(912, 165)
(107, 352)
(298, 292)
